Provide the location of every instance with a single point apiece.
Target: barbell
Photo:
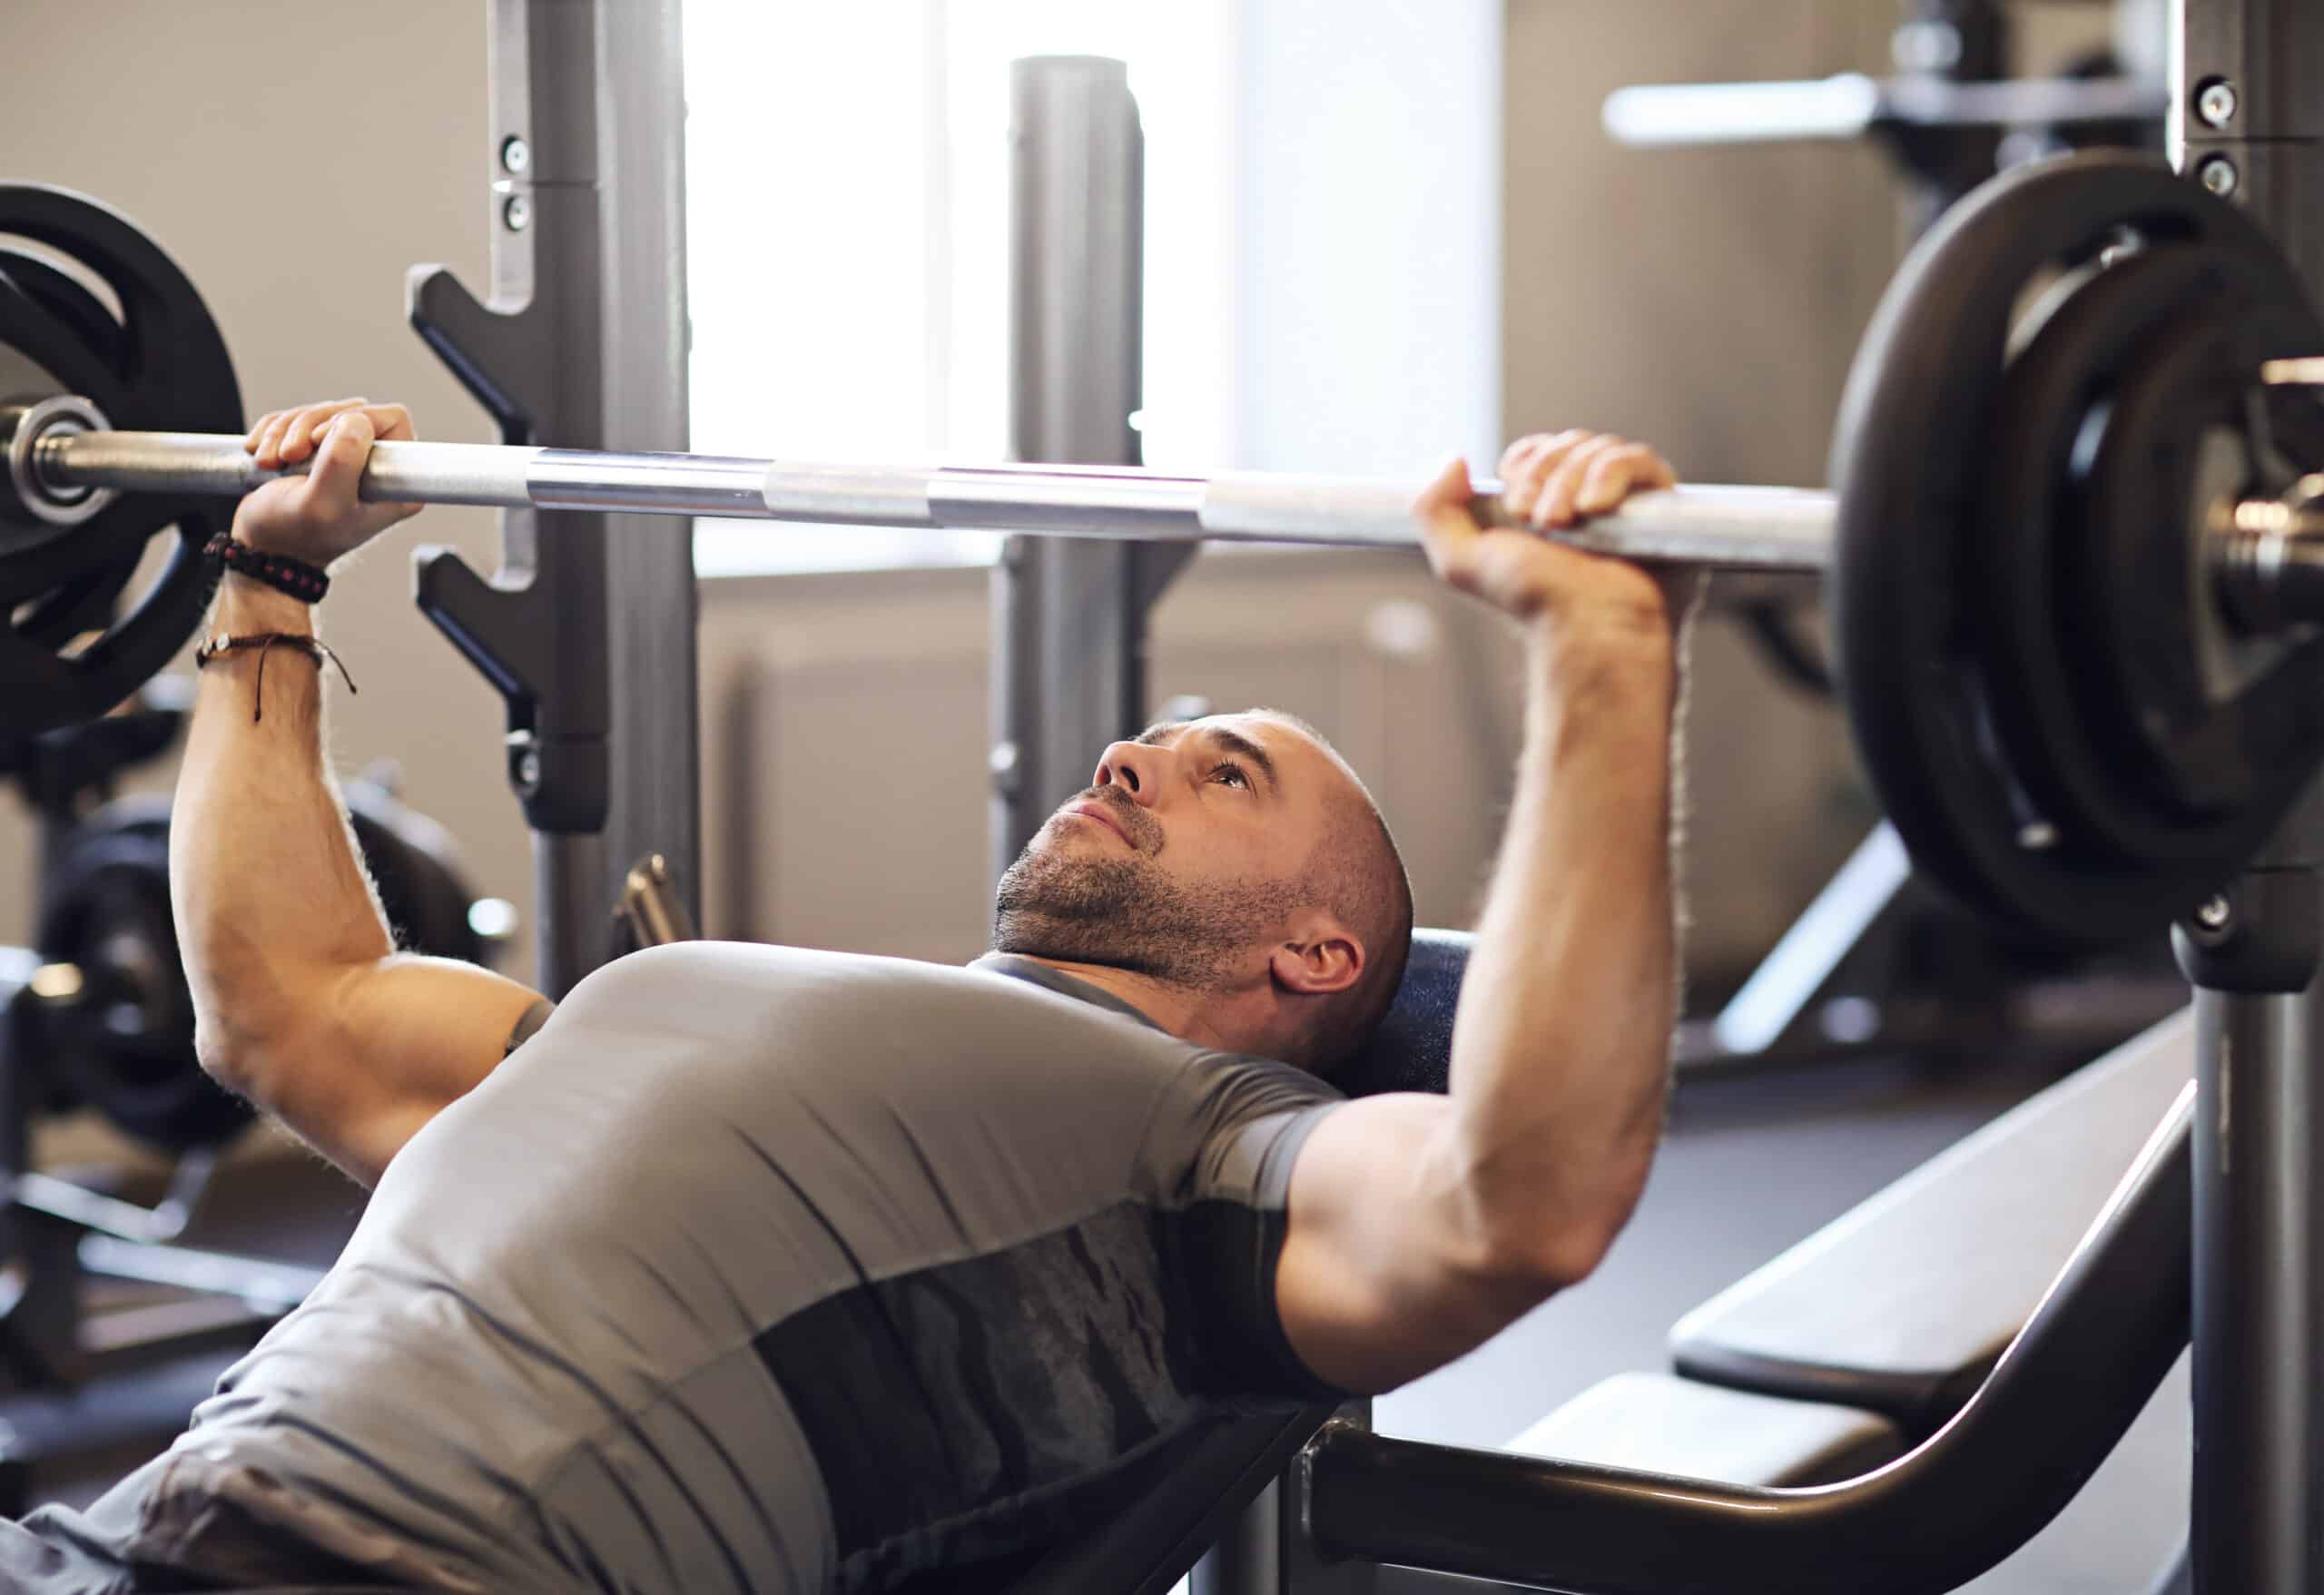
(64, 461)
(2070, 551)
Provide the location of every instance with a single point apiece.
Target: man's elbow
(250, 1030)
(1537, 1261)
(250, 1046)
(1551, 1239)
(232, 1055)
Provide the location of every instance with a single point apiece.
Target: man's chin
(1074, 853)
(1035, 934)
(1081, 847)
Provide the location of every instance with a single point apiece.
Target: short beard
(1124, 914)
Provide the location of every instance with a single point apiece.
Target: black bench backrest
(1413, 1049)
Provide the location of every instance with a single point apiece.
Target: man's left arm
(1421, 1226)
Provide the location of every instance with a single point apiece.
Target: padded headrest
(1413, 1049)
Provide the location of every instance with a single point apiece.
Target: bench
(1901, 1305)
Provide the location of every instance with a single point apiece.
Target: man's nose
(1134, 767)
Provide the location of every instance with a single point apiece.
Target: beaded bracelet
(304, 582)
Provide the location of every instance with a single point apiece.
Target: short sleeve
(1240, 1126)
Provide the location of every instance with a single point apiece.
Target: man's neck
(1170, 1007)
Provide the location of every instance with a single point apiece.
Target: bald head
(1235, 862)
(1354, 870)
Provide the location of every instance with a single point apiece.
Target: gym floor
(1750, 1163)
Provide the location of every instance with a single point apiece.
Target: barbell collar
(26, 424)
(1777, 529)
(2271, 557)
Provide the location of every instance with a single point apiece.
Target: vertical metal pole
(589, 628)
(1948, 41)
(1069, 617)
(2247, 121)
(546, 227)
(2259, 1361)
(2247, 116)
(652, 613)
(627, 86)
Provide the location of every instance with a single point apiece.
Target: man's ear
(1321, 957)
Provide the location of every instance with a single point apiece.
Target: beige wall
(298, 159)
(1709, 300)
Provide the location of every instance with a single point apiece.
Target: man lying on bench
(752, 1268)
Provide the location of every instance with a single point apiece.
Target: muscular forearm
(1561, 1048)
(272, 905)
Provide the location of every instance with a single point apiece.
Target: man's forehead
(1290, 755)
(1266, 729)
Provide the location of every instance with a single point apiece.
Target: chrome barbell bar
(61, 459)
(59, 464)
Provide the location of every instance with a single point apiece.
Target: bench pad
(1656, 1423)
(1902, 1304)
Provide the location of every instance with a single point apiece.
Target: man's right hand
(318, 518)
(1553, 481)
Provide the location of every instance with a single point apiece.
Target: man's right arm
(302, 1002)
(1421, 1226)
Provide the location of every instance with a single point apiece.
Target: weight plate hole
(57, 260)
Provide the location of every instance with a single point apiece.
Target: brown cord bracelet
(313, 648)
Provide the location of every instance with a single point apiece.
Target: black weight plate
(37, 557)
(126, 1049)
(1914, 439)
(2219, 721)
(84, 602)
(86, 317)
(2058, 712)
(411, 857)
(162, 367)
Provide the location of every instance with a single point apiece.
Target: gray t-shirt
(761, 1269)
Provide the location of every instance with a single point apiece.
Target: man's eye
(1232, 772)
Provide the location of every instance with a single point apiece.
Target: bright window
(847, 220)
